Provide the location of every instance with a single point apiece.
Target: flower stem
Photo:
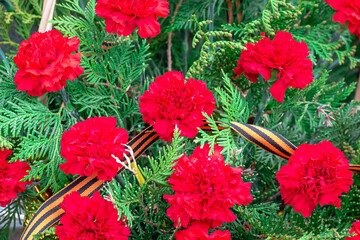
(142, 75)
(268, 4)
(263, 104)
(8, 5)
(68, 105)
(185, 50)
(2, 55)
(258, 115)
(299, 5)
(81, 4)
(211, 17)
(119, 180)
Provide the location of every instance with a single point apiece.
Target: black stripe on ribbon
(268, 139)
(53, 199)
(56, 220)
(287, 142)
(55, 209)
(252, 139)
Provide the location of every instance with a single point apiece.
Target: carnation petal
(164, 128)
(87, 147)
(10, 176)
(310, 177)
(205, 188)
(45, 62)
(278, 89)
(283, 54)
(200, 231)
(103, 224)
(335, 4)
(354, 28)
(162, 10)
(340, 17)
(170, 102)
(148, 27)
(122, 16)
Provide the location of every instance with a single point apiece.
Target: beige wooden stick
(44, 5)
(47, 14)
(357, 93)
(357, 97)
(49, 25)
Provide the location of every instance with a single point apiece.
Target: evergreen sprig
(129, 194)
(208, 38)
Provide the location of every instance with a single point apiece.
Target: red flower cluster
(10, 176)
(199, 231)
(356, 230)
(205, 188)
(122, 16)
(315, 174)
(91, 219)
(283, 54)
(88, 146)
(170, 102)
(347, 11)
(45, 62)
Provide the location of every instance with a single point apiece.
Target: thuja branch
(147, 221)
(170, 35)
(68, 106)
(107, 84)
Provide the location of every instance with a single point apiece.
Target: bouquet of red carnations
(180, 119)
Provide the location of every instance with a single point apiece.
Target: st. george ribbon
(50, 212)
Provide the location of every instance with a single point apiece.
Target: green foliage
(140, 203)
(232, 107)
(160, 169)
(8, 88)
(266, 220)
(210, 51)
(191, 7)
(320, 40)
(48, 234)
(345, 128)
(38, 130)
(21, 12)
(10, 217)
(208, 38)
(354, 155)
(112, 74)
(316, 105)
(231, 101)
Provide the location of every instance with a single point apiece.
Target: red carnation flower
(45, 62)
(122, 16)
(10, 176)
(91, 219)
(199, 231)
(205, 188)
(88, 146)
(314, 174)
(171, 101)
(347, 11)
(356, 230)
(284, 54)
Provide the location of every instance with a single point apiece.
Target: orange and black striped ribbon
(49, 213)
(354, 168)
